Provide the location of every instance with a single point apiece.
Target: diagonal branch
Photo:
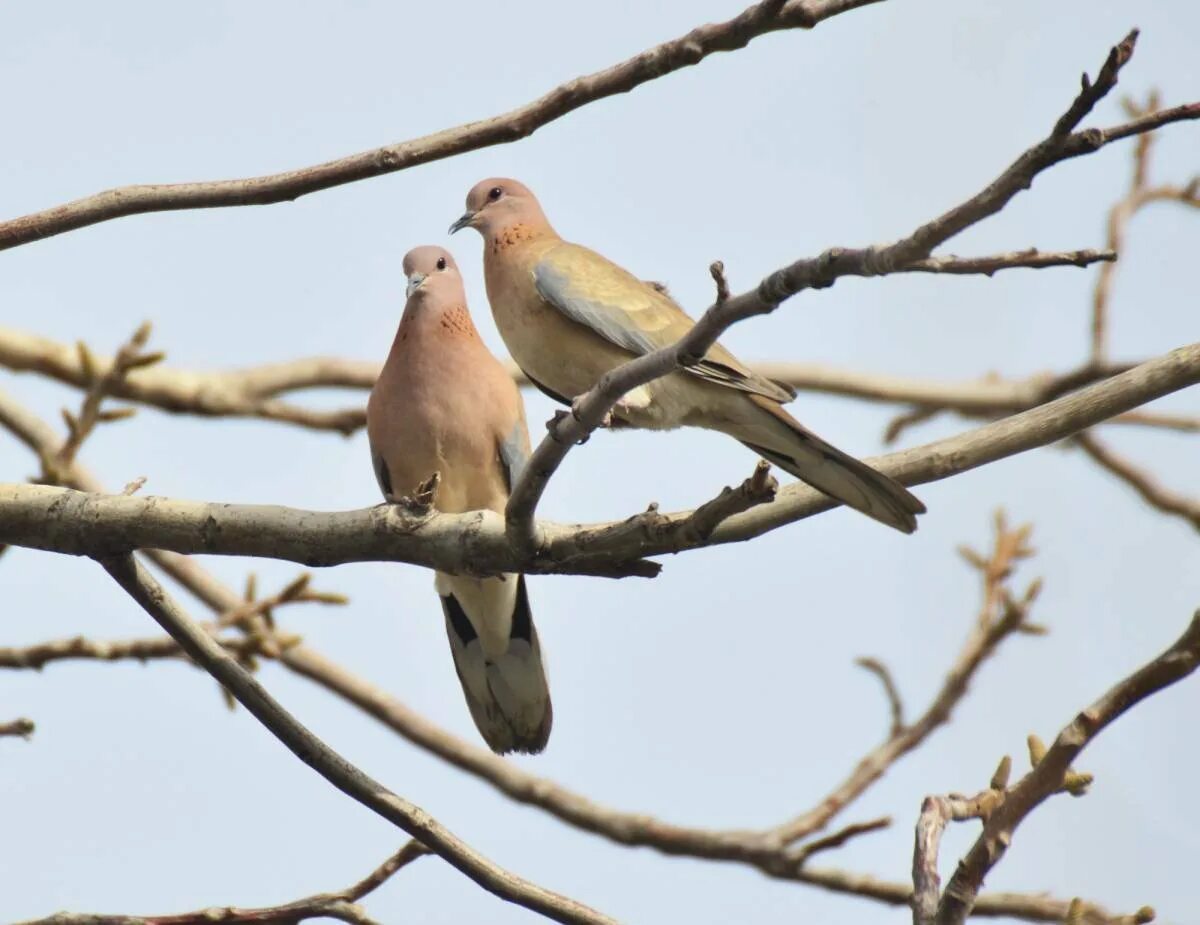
(1050, 772)
(590, 410)
(1145, 484)
(759, 19)
(147, 592)
(341, 905)
(59, 520)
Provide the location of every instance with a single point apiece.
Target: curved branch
(340, 905)
(1049, 773)
(61, 520)
(1145, 484)
(760, 19)
(206, 652)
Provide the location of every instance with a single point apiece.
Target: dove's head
(497, 204)
(432, 272)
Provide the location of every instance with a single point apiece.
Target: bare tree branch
(341, 905)
(1122, 212)
(99, 387)
(759, 19)
(936, 813)
(82, 524)
(77, 648)
(1030, 258)
(234, 393)
(590, 410)
(22, 728)
(892, 692)
(1050, 772)
(254, 392)
(201, 648)
(1147, 487)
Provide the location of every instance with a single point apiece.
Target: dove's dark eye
(441, 263)
(495, 193)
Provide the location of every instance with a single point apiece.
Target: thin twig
(340, 905)
(1030, 259)
(895, 703)
(20, 728)
(99, 386)
(77, 648)
(1147, 487)
(839, 838)
(1050, 773)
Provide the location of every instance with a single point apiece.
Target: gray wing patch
(611, 323)
(606, 320)
(513, 456)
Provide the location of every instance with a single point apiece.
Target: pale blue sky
(723, 693)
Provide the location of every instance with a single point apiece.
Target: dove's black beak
(464, 221)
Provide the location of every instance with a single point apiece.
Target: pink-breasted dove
(569, 315)
(443, 404)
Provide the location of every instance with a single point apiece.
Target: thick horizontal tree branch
(61, 520)
(590, 410)
(341, 905)
(1049, 773)
(759, 19)
(202, 649)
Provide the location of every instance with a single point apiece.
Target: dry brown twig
(1051, 773)
(1140, 195)
(1141, 481)
(341, 905)
(99, 385)
(890, 690)
(40, 654)
(20, 728)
